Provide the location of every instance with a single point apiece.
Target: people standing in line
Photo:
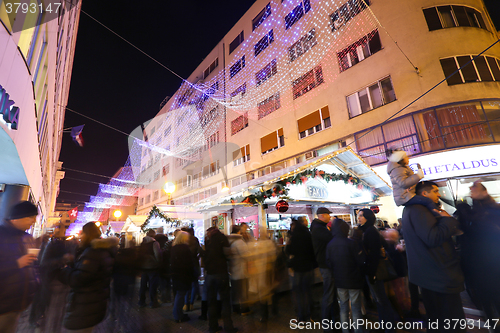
(372, 244)
(481, 249)
(302, 262)
(238, 271)
(183, 273)
(165, 285)
(89, 278)
(196, 251)
(217, 250)
(18, 275)
(345, 259)
(321, 236)
(433, 263)
(150, 260)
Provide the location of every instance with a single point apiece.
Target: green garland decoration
(155, 213)
(280, 188)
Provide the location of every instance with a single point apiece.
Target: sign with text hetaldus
(455, 163)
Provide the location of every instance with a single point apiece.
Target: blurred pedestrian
(89, 278)
(165, 277)
(196, 250)
(302, 263)
(150, 259)
(238, 271)
(18, 275)
(183, 273)
(345, 259)
(321, 236)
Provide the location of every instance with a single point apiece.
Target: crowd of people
(369, 265)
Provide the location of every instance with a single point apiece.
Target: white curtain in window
(371, 139)
(399, 129)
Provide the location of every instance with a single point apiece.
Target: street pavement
(127, 317)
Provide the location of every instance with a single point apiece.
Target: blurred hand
(418, 166)
(26, 260)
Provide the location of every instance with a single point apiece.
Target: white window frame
(370, 101)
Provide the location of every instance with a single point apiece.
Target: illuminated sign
(317, 192)
(455, 163)
(9, 112)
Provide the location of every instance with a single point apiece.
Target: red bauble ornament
(375, 209)
(282, 206)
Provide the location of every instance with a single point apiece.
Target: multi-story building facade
(37, 45)
(293, 80)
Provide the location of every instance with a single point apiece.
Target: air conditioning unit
(310, 154)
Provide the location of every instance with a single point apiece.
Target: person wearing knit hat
(18, 275)
(404, 181)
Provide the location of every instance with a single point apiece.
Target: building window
(141, 202)
(166, 169)
(167, 131)
(261, 17)
(152, 132)
(272, 141)
(239, 123)
(371, 97)
(211, 169)
(241, 91)
(347, 11)
(296, 14)
(483, 68)
(155, 195)
(359, 51)
(453, 16)
(302, 45)
(269, 105)
(237, 67)
(211, 68)
(307, 82)
(264, 42)
(314, 122)
(148, 199)
(236, 42)
(265, 73)
(241, 155)
(156, 175)
(212, 140)
(209, 116)
(157, 158)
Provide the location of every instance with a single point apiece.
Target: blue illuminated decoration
(8, 110)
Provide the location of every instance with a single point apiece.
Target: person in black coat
(302, 262)
(372, 243)
(18, 275)
(183, 273)
(89, 278)
(345, 259)
(433, 262)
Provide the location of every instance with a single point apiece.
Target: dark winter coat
(480, 243)
(150, 254)
(89, 279)
(17, 285)
(321, 236)
(300, 246)
(433, 262)
(196, 251)
(182, 267)
(345, 258)
(217, 252)
(371, 244)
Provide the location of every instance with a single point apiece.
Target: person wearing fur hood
(89, 279)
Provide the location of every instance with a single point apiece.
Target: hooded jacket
(433, 262)
(301, 248)
(371, 243)
(345, 258)
(238, 257)
(321, 236)
(89, 279)
(150, 254)
(403, 182)
(17, 285)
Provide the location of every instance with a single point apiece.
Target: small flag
(76, 134)
(73, 213)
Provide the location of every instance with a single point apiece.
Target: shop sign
(317, 192)
(455, 163)
(9, 112)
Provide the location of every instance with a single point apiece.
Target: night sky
(117, 85)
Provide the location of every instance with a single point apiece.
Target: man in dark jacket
(150, 257)
(18, 276)
(433, 263)
(302, 262)
(217, 250)
(321, 236)
(89, 279)
(345, 259)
